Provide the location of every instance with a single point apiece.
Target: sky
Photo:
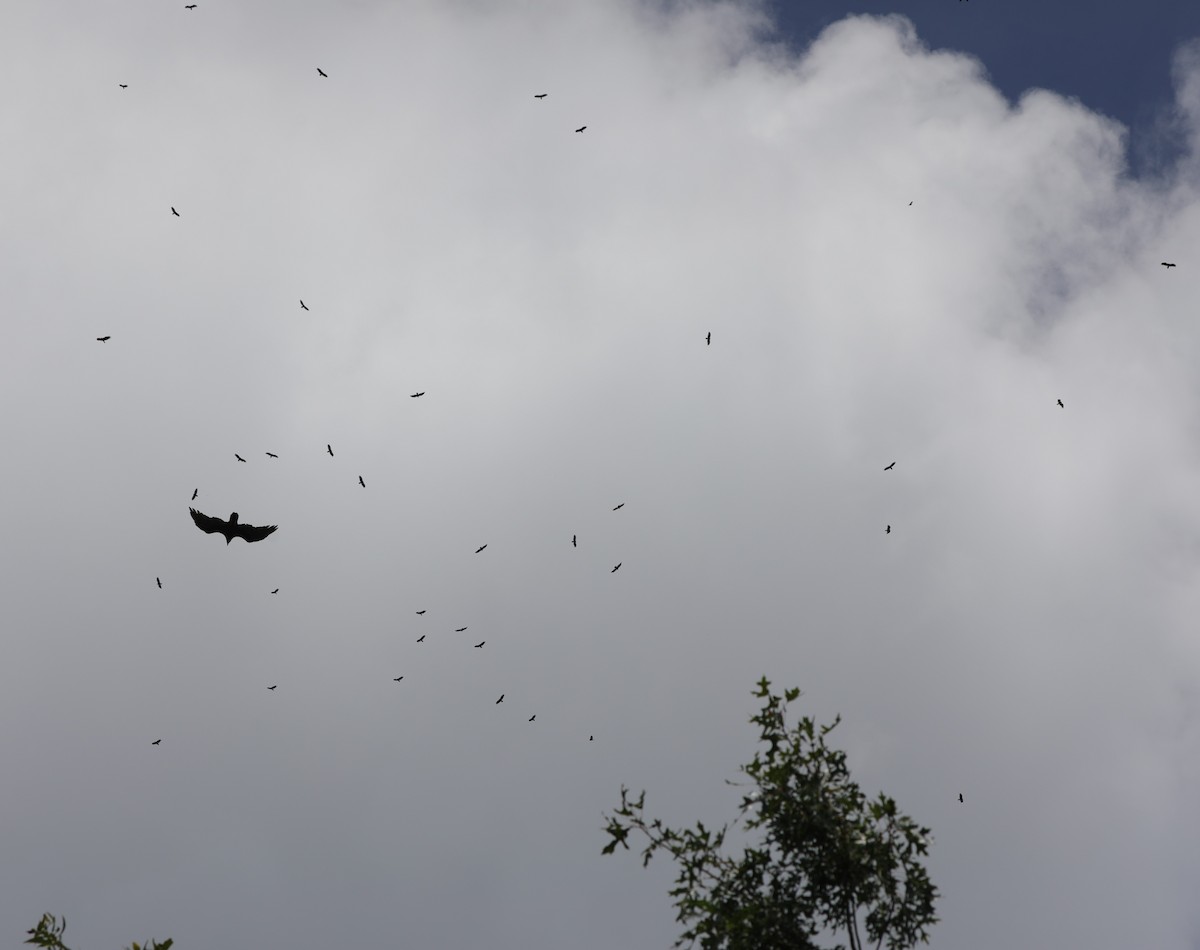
(898, 257)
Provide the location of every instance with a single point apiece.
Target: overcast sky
(897, 262)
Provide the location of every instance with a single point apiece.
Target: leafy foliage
(48, 933)
(829, 859)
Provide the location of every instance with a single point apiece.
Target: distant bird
(322, 72)
(419, 612)
(581, 128)
(615, 569)
(231, 529)
(420, 638)
(195, 493)
(156, 742)
(329, 449)
(888, 530)
(103, 339)
(302, 306)
(416, 395)
(500, 700)
(1060, 405)
(960, 796)
(539, 95)
(573, 539)
(477, 550)
(275, 591)
(591, 738)
(123, 85)
(273, 455)
(460, 629)
(1165, 264)
(361, 482)
(708, 339)
(272, 687)
(190, 6)
(910, 204)
(479, 645)
(888, 468)
(174, 212)
(397, 679)
(621, 505)
(159, 579)
(533, 717)
(238, 457)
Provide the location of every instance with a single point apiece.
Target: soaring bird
(888, 468)
(329, 449)
(159, 579)
(708, 339)
(533, 717)
(231, 529)
(273, 455)
(888, 530)
(574, 537)
(1165, 264)
(302, 306)
(500, 700)
(419, 612)
(238, 457)
(459, 629)
(104, 339)
(477, 550)
(621, 505)
(539, 95)
(960, 796)
(156, 742)
(195, 493)
(322, 72)
(416, 395)
(361, 482)
(581, 128)
(174, 212)
(479, 645)
(190, 6)
(1060, 405)
(272, 687)
(615, 569)
(420, 638)
(123, 85)
(591, 738)
(397, 679)
(275, 591)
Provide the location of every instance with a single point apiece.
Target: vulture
(621, 505)
(231, 528)
(415, 395)
(397, 679)
(195, 493)
(581, 128)
(615, 569)
(272, 687)
(459, 629)
(1060, 405)
(238, 457)
(419, 612)
(273, 455)
(174, 212)
(539, 95)
(103, 339)
(887, 530)
(275, 591)
(361, 482)
(533, 717)
(500, 700)
(159, 579)
(420, 638)
(322, 72)
(329, 449)
(477, 550)
(573, 540)
(479, 645)
(1165, 264)
(302, 306)
(888, 468)
(156, 742)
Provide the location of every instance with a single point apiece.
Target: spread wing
(253, 532)
(207, 523)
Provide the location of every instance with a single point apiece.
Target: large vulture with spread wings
(231, 528)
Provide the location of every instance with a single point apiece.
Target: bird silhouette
(888, 530)
(479, 645)
(477, 550)
(910, 204)
(190, 6)
(231, 529)
(275, 591)
(195, 493)
(708, 339)
(533, 717)
(159, 579)
(419, 612)
(123, 85)
(1060, 405)
(539, 95)
(302, 305)
(329, 449)
(238, 457)
(420, 638)
(460, 629)
(397, 679)
(174, 212)
(888, 468)
(1165, 264)
(581, 128)
(615, 569)
(500, 700)
(322, 72)
(156, 742)
(104, 339)
(361, 482)
(417, 395)
(273, 455)
(591, 738)
(621, 505)
(960, 796)
(573, 540)
(272, 687)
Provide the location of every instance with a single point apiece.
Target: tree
(48, 933)
(829, 860)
